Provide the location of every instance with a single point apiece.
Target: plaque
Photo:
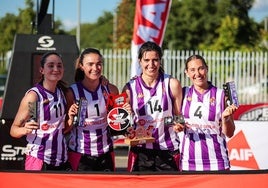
(139, 135)
(118, 118)
(33, 108)
(79, 119)
(231, 93)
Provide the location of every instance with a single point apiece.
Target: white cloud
(259, 10)
(260, 5)
(69, 24)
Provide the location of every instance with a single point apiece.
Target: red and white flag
(149, 25)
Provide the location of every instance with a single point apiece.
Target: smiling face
(197, 72)
(150, 63)
(92, 66)
(52, 69)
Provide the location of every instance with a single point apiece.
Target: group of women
(55, 143)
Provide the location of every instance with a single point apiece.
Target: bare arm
(21, 126)
(71, 110)
(228, 126)
(176, 91)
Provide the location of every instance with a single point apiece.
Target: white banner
(248, 147)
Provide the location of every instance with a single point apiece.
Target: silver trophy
(230, 93)
(33, 108)
(79, 119)
(170, 120)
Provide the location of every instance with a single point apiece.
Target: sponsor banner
(149, 25)
(255, 112)
(135, 180)
(247, 148)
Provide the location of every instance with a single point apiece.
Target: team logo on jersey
(212, 101)
(140, 95)
(44, 127)
(118, 119)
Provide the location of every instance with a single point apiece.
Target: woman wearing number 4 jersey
(207, 121)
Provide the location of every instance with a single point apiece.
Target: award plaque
(140, 135)
(230, 93)
(115, 101)
(79, 119)
(118, 118)
(33, 110)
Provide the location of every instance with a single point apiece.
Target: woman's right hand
(29, 126)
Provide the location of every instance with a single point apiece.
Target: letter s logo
(45, 41)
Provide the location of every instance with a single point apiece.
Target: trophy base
(137, 141)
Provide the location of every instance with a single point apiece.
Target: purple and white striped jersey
(150, 106)
(203, 144)
(93, 138)
(48, 143)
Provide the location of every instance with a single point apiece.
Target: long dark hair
(79, 74)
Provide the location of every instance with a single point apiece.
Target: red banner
(69, 180)
(252, 112)
(149, 25)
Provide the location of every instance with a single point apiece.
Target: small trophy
(33, 111)
(139, 135)
(230, 93)
(79, 119)
(169, 120)
(118, 118)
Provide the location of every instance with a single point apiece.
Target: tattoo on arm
(22, 122)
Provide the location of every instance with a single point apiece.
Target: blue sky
(67, 10)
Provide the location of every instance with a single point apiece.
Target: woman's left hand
(230, 110)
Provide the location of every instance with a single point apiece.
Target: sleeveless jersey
(48, 143)
(203, 145)
(150, 106)
(93, 138)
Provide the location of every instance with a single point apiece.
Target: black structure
(23, 73)
(25, 62)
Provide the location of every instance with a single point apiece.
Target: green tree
(227, 35)
(247, 35)
(97, 35)
(190, 24)
(125, 23)
(25, 18)
(112, 29)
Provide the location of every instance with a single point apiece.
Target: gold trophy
(140, 135)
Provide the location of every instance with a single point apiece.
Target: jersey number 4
(198, 112)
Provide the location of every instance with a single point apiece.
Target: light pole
(78, 23)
